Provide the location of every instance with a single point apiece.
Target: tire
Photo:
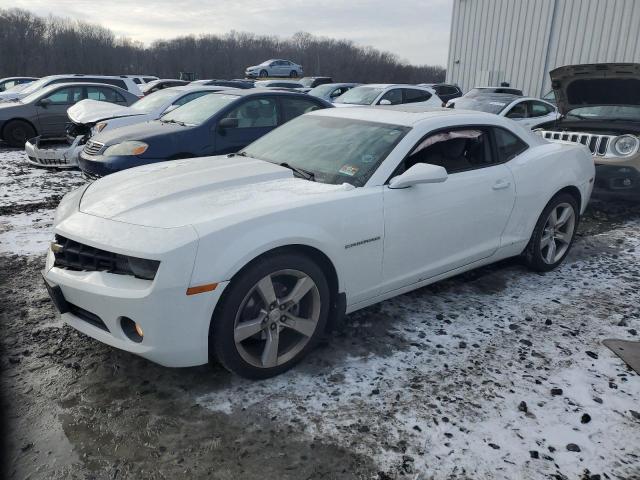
(245, 324)
(264, 74)
(293, 74)
(17, 132)
(550, 243)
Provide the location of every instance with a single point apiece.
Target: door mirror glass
(384, 101)
(228, 123)
(419, 173)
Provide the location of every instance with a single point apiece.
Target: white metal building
(520, 41)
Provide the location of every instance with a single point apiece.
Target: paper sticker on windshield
(499, 104)
(348, 170)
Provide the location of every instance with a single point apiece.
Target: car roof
(504, 97)
(81, 75)
(48, 88)
(247, 92)
(390, 85)
(405, 114)
(201, 88)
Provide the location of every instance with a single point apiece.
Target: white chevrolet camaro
(246, 258)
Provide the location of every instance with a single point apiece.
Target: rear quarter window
(508, 145)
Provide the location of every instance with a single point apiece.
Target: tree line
(39, 46)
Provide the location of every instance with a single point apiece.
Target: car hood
(144, 131)
(597, 84)
(92, 111)
(194, 191)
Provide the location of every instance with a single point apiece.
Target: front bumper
(94, 167)
(175, 325)
(65, 157)
(617, 181)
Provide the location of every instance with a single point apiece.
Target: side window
(137, 80)
(294, 107)
(394, 96)
(455, 150)
(338, 91)
(539, 109)
(256, 113)
(66, 96)
(412, 96)
(189, 97)
(508, 145)
(519, 110)
(149, 79)
(104, 95)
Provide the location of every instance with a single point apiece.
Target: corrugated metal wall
(519, 41)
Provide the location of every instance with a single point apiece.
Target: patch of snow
(26, 233)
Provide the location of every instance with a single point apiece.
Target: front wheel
(264, 74)
(554, 234)
(293, 74)
(271, 316)
(17, 132)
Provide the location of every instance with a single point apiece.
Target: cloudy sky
(415, 30)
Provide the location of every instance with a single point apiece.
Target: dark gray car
(44, 112)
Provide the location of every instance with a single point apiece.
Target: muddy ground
(498, 373)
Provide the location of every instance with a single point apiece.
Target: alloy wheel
(277, 318)
(557, 233)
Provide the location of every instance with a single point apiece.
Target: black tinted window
(393, 96)
(508, 145)
(412, 96)
(293, 107)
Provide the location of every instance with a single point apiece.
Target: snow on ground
(448, 404)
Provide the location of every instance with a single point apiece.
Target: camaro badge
(56, 247)
(361, 242)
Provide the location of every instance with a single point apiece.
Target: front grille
(87, 316)
(93, 148)
(49, 161)
(597, 144)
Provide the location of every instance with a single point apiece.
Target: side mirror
(419, 173)
(44, 102)
(226, 123)
(384, 101)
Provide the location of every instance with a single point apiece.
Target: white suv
(122, 81)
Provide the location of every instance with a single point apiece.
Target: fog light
(626, 182)
(131, 329)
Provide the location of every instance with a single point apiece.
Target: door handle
(501, 184)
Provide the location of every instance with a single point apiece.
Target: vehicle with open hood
(600, 108)
(91, 117)
(246, 258)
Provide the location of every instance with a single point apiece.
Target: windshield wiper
(237, 154)
(175, 121)
(306, 174)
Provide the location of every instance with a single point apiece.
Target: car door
(52, 113)
(249, 121)
(434, 228)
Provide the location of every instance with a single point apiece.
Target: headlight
(100, 126)
(143, 268)
(625, 145)
(126, 148)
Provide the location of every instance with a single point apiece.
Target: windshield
(485, 90)
(199, 110)
(334, 150)
(480, 104)
(322, 90)
(265, 63)
(33, 86)
(306, 82)
(607, 112)
(360, 95)
(153, 101)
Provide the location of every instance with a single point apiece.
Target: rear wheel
(554, 234)
(293, 74)
(271, 316)
(17, 132)
(264, 74)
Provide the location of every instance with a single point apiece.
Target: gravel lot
(498, 373)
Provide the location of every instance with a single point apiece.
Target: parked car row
(297, 210)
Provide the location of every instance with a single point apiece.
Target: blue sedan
(215, 124)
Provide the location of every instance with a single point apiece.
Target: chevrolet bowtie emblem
(56, 247)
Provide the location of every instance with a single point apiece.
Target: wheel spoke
(266, 291)
(270, 352)
(551, 252)
(563, 237)
(301, 325)
(247, 329)
(553, 218)
(544, 241)
(564, 217)
(299, 290)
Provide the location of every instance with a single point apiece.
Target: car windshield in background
(37, 94)
(334, 150)
(306, 82)
(481, 104)
(360, 96)
(483, 91)
(322, 90)
(199, 110)
(153, 101)
(607, 112)
(33, 86)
